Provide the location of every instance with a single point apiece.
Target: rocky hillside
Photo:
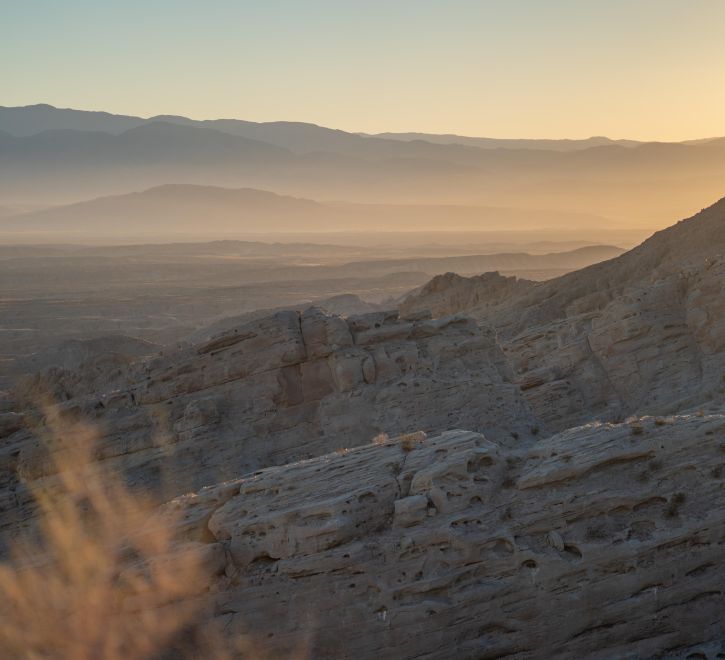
(452, 294)
(289, 386)
(454, 546)
(603, 541)
(642, 333)
(493, 524)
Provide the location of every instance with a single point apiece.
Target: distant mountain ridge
(300, 137)
(24, 121)
(212, 211)
(51, 156)
(509, 143)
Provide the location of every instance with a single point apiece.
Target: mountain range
(203, 211)
(54, 156)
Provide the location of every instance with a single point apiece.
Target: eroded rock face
(451, 293)
(640, 334)
(602, 541)
(287, 387)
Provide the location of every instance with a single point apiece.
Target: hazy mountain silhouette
(31, 119)
(300, 137)
(503, 143)
(147, 143)
(211, 211)
(635, 184)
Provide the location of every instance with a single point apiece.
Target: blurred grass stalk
(100, 577)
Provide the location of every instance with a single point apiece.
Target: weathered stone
(266, 397)
(201, 412)
(368, 368)
(640, 334)
(537, 553)
(411, 510)
(603, 540)
(322, 333)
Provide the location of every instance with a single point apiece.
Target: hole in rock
(572, 550)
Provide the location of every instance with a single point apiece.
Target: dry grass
(410, 441)
(381, 439)
(100, 581)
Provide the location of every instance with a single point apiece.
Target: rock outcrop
(287, 387)
(640, 334)
(100, 354)
(602, 541)
(451, 294)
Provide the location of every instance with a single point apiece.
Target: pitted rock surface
(287, 387)
(640, 334)
(603, 541)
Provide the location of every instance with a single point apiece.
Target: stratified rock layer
(280, 389)
(602, 541)
(640, 334)
(452, 293)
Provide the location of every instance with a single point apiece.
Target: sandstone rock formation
(85, 356)
(643, 333)
(452, 294)
(602, 541)
(290, 386)
(342, 305)
(488, 537)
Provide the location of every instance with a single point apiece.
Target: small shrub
(381, 439)
(409, 441)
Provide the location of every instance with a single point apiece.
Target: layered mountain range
(54, 156)
(190, 211)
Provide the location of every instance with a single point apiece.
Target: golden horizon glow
(649, 70)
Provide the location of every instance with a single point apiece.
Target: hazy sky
(647, 69)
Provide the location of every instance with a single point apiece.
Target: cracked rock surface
(602, 541)
(279, 389)
(640, 334)
(551, 483)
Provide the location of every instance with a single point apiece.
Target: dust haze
(277, 390)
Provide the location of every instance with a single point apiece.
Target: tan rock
(539, 553)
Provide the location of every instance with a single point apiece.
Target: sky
(640, 69)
